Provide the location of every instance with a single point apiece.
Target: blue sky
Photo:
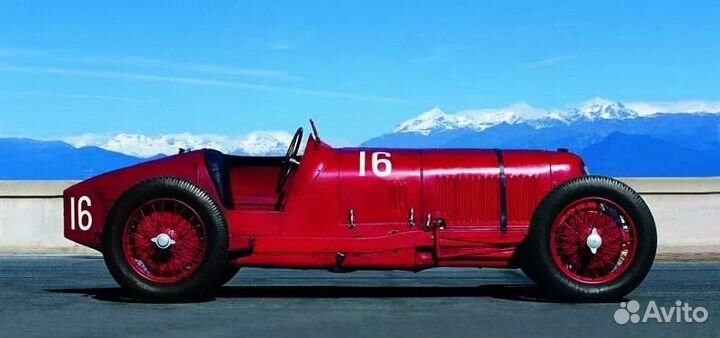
(357, 67)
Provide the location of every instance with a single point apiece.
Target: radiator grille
(465, 200)
(524, 193)
(398, 195)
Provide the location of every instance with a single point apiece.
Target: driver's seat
(217, 168)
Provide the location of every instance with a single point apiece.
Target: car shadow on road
(519, 292)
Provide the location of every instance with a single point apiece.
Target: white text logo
(680, 313)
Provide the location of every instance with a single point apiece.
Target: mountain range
(89, 155)
(614, 140)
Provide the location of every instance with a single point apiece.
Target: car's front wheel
(166, 239)
(592, 238)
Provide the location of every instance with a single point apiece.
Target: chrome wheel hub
(594, 241)
(163, 241)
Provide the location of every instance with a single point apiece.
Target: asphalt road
(75, 296)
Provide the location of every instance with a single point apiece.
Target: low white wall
(687, 213)
(31, 218)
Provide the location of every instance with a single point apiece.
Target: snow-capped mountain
(263, 143)
(599, 109)
(436, 120)
(256, 143)
(614, 138)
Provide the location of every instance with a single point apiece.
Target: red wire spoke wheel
(164, 240)
(593, 224)
(591, 238)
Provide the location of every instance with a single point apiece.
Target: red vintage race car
(181, 226)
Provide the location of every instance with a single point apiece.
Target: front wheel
(592, 238)
(166, 239)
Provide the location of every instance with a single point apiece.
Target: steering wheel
(290, 161)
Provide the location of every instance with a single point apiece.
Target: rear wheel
(592, 238)
(166, 239)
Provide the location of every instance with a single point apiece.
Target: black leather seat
(218, 170)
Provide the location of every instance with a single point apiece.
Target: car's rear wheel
(166, 239)
(592, 238)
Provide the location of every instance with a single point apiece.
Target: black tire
(537, 258)
(203, 281)
(227, 274)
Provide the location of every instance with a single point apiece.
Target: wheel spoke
(180, 230)
(570, 240)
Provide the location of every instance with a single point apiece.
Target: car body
(340, 209)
